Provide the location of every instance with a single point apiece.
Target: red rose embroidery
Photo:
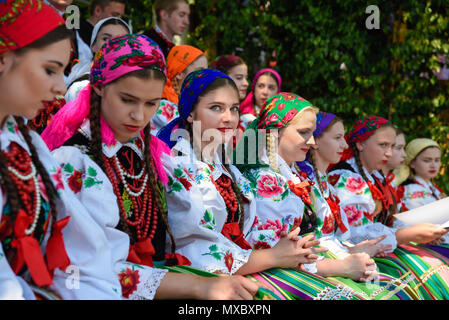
(185, 183)
(76, 181)
(129, 280)
(267, 186)
(355, 185)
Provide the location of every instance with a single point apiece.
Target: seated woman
(332, 222)
(181, 61)
(284, 196)
(46, 234)
(103, 142)
(266, 83)
(368, 201)
(215, 237)
(416, 175)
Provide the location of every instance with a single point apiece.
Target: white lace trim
(335, 294)
(150, 280)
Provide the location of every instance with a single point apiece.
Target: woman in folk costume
(331, 221)
(43, 227)
(181, 61)
(415, 179)
(266, 83)
(103, 142)
(415, 176)
(367, 201)
(284, 198)
(210, 202)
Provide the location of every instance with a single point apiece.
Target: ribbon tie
(302, 190)
(387, 192)
(55, 250)
(334, 204)
(29, 252)
(142, 252)
(232, 232)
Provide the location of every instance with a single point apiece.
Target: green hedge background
(389, 70)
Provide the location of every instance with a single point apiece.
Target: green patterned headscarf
(277, 113)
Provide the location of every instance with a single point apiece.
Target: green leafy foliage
(389, 71)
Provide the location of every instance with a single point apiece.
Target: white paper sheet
(436, 212)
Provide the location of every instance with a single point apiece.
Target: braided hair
(158, 192)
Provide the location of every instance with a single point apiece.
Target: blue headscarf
(323, 119)
(193, 85)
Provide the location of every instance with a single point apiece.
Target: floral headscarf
(116, 58)
(247, 104)
(124, 54)
(277, 113)
(361, 131)
(193, 85)
(178, 59)
(23, 22)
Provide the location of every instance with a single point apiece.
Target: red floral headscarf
(24, 21)
(361, 131)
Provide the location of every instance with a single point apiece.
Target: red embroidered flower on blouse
(75, 181)
(333, 179)
(229, 260)
(129, 280)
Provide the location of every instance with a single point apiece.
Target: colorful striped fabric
(429, 267)
(301, 285)
(395, 283)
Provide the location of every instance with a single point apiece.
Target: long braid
(11, 190)
(50, 188)
(157, 191)
(96, 146)
(271, 150)
(315, 169)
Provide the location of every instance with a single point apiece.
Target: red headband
(24, 21)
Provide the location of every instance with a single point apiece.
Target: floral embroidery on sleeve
(129, 279)
(221, 255)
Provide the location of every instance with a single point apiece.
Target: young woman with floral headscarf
(370, 205)
(285, 197)
(332, 222)
(214, 213)
(266, 83)
(44, 229)
(103, 142)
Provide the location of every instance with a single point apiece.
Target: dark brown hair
(12, 193)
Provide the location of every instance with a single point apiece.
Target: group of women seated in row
(160, 178)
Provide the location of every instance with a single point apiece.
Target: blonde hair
(271, 139)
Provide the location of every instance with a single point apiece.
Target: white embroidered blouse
(90, 275)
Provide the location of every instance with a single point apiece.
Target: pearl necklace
(123, 174)
(37, 196)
